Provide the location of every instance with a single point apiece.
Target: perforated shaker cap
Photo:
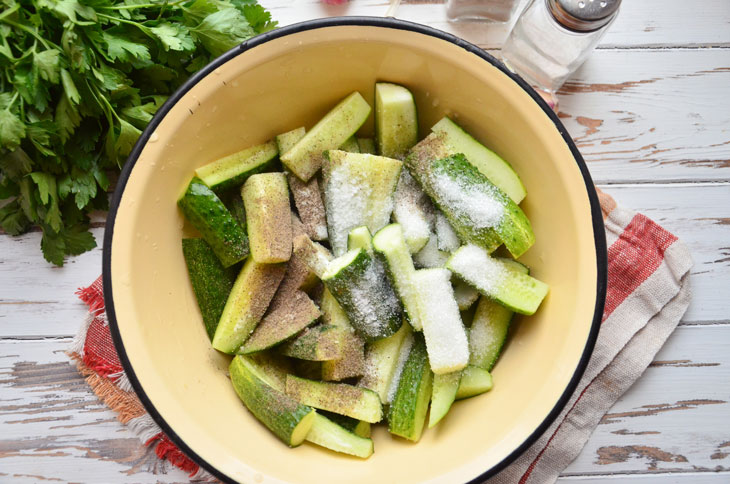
(583, 15)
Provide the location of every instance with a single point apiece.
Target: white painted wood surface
(650, 111)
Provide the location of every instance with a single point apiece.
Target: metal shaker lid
(583, 15)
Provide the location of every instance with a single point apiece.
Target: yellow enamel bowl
(288, 78)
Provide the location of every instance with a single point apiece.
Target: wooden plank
(53, 427)
(664, 478)
(651, 116)
(38, 299)
(674, 418)
(699, 214)
(645, 23)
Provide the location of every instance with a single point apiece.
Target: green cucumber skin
(515, 230)
(498, 170)
(443, 395)
(268, 163)
(348, 400)
(403, 285)
(234, 204)
(350, 424)
(278, 411)
(319, 343)
(202, 207)
(304, 159)
(353, 280)
(490, 324)
(407, 413)
(210, 280)
(239, 180)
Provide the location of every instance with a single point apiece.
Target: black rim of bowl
(382, 22)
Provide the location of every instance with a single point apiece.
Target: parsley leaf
(223, 30)
(79, 81)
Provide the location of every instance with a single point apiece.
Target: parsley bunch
(79, 80)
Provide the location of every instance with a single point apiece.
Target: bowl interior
(292, 81)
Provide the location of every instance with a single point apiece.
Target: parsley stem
(12, 101)
(141, 27)
(32, 32)
(144, 5)
(9, 11)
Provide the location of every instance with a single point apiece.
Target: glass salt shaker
(552, 38)
(495, 10)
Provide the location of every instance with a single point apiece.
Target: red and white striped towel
(648, 292)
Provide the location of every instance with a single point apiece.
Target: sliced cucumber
(474, 381)
(304, 159)
(447, 239)
(407, 412)
(233, 170)
(381, 362)
(396, 122)
(290, 312)
(514, 265)
(273, 368)
(390, 244)
(446, 341)
(247, 302)
(488, 333)
(341, 398)
(430, 256)
(358, 190)
(515, 290)
(286, 141)
(319, 343)
(366, 145)
(405, 351)
(316, 256)
(352, 424)
(210, 280)
(487, 162)
(234, 204)
(307, 196)
(311, 370)
(479, 211)
(414, 211)
(289, 420)
(350, 145)
(490, 326)
(443, 395)
(360, 238)
(202, 207)
(328, 434)
(352, 363)
(365, 295)
(464, 294)
(266, 198)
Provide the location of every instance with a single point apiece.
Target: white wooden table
(651, 113)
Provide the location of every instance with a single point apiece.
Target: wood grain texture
(644, 23)
(52, 426)
(37, 299)
(672, 419)
(668, 122)
(651, 114)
